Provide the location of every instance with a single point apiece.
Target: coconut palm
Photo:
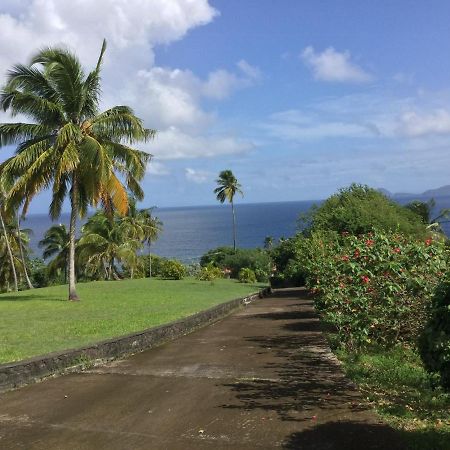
(227, 188)
(23, 238)
(105, 242)
(7, 245)
(56, 244)
(70, 147)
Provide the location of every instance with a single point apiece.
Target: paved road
(262, 378)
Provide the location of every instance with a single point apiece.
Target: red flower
(370, 242)
(428, 242)
(342, 285)
(345, 258)
(397, 250)
(356, 254)
(365, 279)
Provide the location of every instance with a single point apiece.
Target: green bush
(233, 261)
(435, 340)
(374, 288)
(172, 269)
(209, 273)
(359, 209)
(288, 262)
(246, 275)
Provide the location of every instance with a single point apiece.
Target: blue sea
(189, 232)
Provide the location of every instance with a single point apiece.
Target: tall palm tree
(227, 188)
(70, 146)
(7, 244)
(56, 243)
(140, 224)
(23, 235)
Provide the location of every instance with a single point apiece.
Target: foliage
(231, 260)
(69, 146)
(55, 245)
(288, 260)
(209, 273)
(142, 268)
(39, 321)
(227, 187)
(171, 269)
(373, 288)
(39, 273)
(358, 209)
(397, 385)
(435, 340)
(246, 275)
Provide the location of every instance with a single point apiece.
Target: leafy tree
(70, 147)
(227, 188)
(268, 242)
(359, 209)
(425, 209)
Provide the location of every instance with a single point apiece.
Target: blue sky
(297, 97)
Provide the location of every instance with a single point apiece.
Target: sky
(297, 97)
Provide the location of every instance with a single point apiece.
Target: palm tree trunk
(72, 232)
(234, 225)
(149, 259)
(11, 258)
(22, 256)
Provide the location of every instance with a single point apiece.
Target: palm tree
(21, 236)
(105, 241)
(227, 187)
(70, 146)
(7, 244)
(56, 243)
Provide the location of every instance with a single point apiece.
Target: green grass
(404, 394)
(40, 321)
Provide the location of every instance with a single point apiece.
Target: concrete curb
(31, 370)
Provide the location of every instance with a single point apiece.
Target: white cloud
(173, 143)
(197, 176)
(132, 28)
(156, 168)
(414, 124)
(331, 65)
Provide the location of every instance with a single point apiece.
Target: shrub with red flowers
(373, 288)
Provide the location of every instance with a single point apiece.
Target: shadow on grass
(30, 297)
(346, 435)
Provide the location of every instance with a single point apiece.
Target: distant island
(443, 191)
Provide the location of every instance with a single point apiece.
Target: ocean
(189, 232)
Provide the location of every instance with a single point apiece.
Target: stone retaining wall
(31, 370)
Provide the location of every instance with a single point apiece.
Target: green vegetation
(231, 261)
(171, 269)
(359, 209)
(246, 275)
(69, 146)
(435, 340)
(404, 394)
(228, 187)
(39, 321)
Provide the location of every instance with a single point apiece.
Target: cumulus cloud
(197, 176)
(168, 99)
(334, 66)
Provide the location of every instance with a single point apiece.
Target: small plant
(246, 275)
(209, 273)
(172, 269)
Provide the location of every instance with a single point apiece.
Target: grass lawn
(404, 395)
(40, 321)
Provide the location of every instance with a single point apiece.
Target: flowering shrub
(373, 288)
(435, 339)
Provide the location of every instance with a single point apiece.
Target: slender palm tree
(70, 147)
(152, 226)
(227, 188)
(56, 243)
(7, 244)
(23, 235)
